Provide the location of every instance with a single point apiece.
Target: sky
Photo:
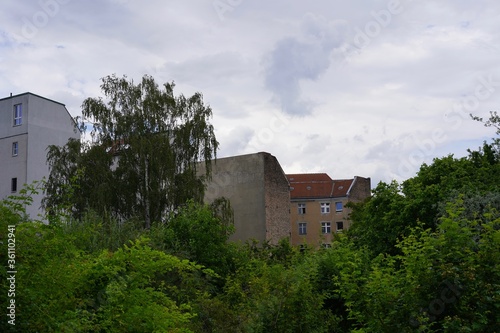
(349, 88)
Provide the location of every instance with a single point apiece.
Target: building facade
(318, 206)
(28, 125)
(259, 194)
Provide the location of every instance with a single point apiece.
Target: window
(302, 208)
(18, 114)
(13, 185)
(15, 148)
(326, 245)
(338, 206)
(325, 207)
(340, 226)
(302, 228)
(326, 227)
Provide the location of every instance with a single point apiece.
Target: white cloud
(284, 76)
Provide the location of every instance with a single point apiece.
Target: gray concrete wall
(258, 191)
(241, 180)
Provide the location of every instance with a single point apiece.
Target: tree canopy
(395, 208)
(142, 157)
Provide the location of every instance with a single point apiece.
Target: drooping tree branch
(153, 141)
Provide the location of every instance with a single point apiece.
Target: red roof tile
(308, 177)
(317, 185)
(341, 186)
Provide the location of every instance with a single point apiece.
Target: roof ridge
(306, 173)
(313, 181)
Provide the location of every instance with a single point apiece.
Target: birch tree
(156, 140)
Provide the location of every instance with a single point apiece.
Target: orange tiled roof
(341, 186)
(308, 177)
(317, 185)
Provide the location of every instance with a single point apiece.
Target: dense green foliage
(96, 275)
(88, 276)
(421, 256)
(394, 208)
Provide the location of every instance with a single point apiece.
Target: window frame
(302, 228)
(13, 185)
(301, 208)
(337, 226)
(324, 207)
(18, 114)
(15, 148)
(326, 227)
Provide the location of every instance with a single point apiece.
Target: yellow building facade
(318, 206)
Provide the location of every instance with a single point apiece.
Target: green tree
(273, 298)
(492, 121)
(146, 143)
(393, 208)
(138, 289)
(198, 234)
(444, 280)
(81, 178)
(448, 178)
(62, 288)
(380, 221)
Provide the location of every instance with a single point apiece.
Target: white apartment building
(28, 125)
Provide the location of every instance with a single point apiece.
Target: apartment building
(259, 194)
(28, 125)
(318, 206)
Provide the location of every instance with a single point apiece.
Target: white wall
(12, 166)
(46, 123)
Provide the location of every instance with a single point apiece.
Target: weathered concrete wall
(257, 188)
(277, 200)
(361, 189)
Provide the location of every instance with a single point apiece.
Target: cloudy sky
(369, 88)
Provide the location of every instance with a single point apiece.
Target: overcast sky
(368, 88)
